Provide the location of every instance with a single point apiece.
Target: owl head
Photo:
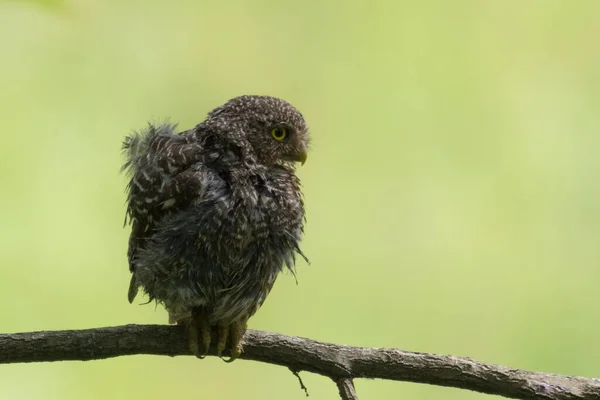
(270, 128)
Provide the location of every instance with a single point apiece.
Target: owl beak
(300, 157)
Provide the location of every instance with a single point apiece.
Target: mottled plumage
(216, 213)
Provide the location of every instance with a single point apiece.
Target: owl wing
(158, 161)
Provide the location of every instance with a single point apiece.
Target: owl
(216, 213)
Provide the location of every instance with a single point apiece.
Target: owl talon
(199, 334)
(193, 340)
(222, 341)
(236, 332)
(234, 354)
(204, 329)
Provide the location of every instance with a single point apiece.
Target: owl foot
(223, 331)
(234, 332)
(199, 334)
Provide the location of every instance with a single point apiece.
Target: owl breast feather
(225, 250)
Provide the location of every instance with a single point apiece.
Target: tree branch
(340, 363)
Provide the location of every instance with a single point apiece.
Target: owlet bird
(216, 214)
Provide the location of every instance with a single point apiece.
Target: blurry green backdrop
(453, 190)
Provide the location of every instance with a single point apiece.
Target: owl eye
(279, 133)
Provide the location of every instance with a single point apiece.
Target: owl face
(274, 129)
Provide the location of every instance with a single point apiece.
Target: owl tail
(133, 289)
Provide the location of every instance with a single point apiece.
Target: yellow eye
(279, 133)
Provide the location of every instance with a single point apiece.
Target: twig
(346, 389)
(338, 362)
(302, 386)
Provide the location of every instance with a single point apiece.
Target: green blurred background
(453, 190)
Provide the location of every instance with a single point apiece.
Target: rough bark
(339, 362)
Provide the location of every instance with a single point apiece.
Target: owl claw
(199, 335)
(235, 332)
(204, 329)
(222, 341)
(193, 340)
(228, 335)
(235, 353)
